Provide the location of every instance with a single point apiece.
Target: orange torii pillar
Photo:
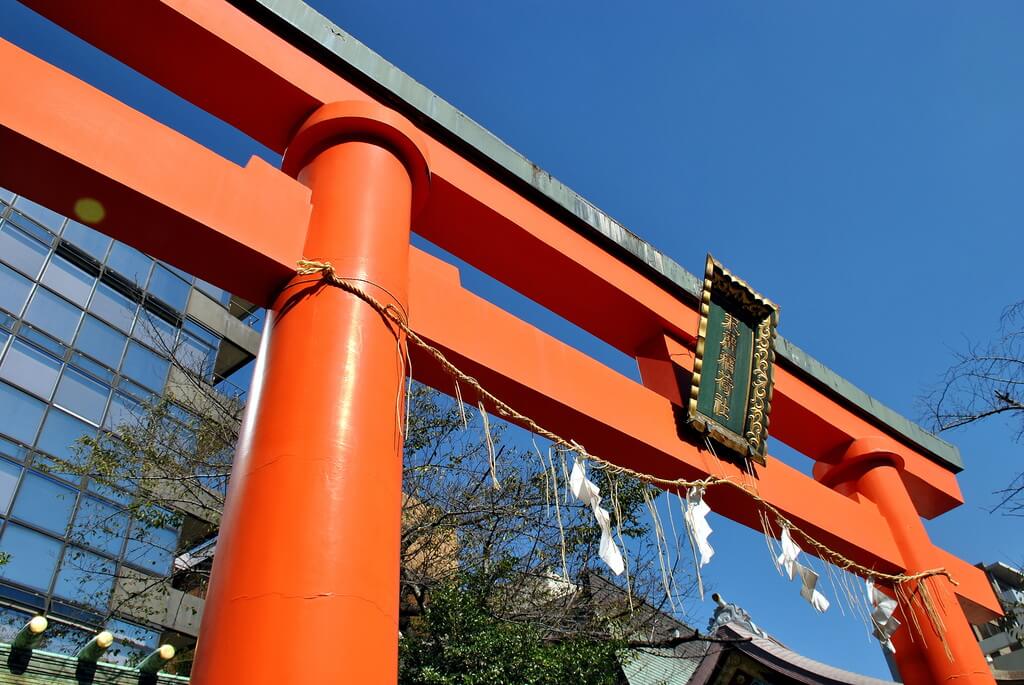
(871, 470)
(305, 582)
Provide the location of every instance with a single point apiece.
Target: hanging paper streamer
(809, 592)
(698, 530)
(787, 561)
(589, 494)
(697, 512)
(882, 607)
(790, 551)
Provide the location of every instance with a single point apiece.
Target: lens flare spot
(89, 210)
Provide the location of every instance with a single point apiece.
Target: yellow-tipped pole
(94, 649)
(31, 633)
(156, 659)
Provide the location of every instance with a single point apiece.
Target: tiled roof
(796, 666)
(662, 666)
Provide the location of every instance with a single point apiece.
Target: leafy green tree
(461, 639)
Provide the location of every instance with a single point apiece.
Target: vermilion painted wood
(633, 425)
(309, 542)
(666, 365)
(232, 63)
(99, 140)
(921, 655)
(162, 192)
(469, 211)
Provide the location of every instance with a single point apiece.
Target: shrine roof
(310, 31)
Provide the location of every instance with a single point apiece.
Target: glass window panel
(131, 643)
(105, 490)
(20, 250)
(13, 450)
(123, 411)
(100, 526)
(138, 392)
(194, 355)
(62, 638)
(185, 276)
(85, 578)
(31, 368)
(89, 241)
(122, 654)
(43, 340)
(6, 320)
(129, 632)
(4, 337)
(97, 370)
(82, 395)
(9, 474)
(100, 341)
(218, 294)
(53, 314)
(202, 332)
(33, 557)
(19, 414)
(154, 331)
(68, 280)
(145, 366)
(8, 197)
(45, 503)
(151, 547)
(46, 217)
(183, 415)
(11, 621)
(257, 320)
(169, 288)
(113, 307)
(60, 434)
(13, 290)
(31, 228)
(130, 263)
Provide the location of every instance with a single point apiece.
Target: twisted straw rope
(392, 313)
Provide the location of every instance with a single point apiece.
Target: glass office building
(87, 326)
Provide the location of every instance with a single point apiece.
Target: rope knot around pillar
(391, 311)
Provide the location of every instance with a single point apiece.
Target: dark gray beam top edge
(311, 26)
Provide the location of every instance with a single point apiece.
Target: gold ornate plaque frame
(736, 304)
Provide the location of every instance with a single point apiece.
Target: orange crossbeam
(251, 225)
(265, 87)
(177, 194)
(634, 426)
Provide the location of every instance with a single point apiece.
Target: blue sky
(859, 163)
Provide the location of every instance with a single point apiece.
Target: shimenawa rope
(393, 314)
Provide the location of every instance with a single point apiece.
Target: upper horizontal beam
(309, 27)
(265, 87)
(160, 191)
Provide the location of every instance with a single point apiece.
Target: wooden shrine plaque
(731, 391)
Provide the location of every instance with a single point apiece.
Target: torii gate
(306, 572)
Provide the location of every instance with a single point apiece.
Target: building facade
(89, 333)
(1002, 640)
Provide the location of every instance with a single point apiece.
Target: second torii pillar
(305, 579)
(934, 645)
